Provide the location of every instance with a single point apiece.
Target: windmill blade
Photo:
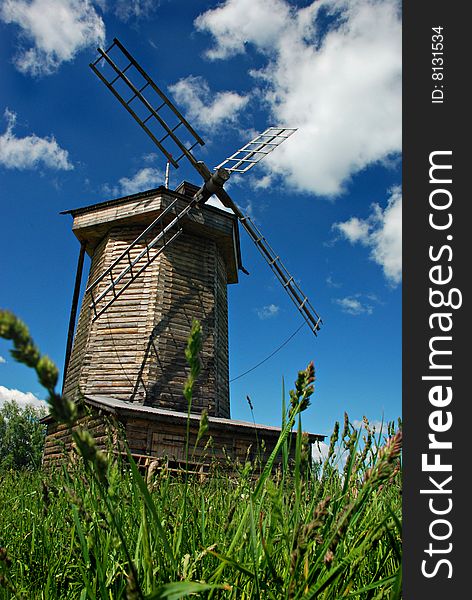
(255, 150)
(175, 138)
(137, 257)
(147, 104)
(241, 161)
(289, 284)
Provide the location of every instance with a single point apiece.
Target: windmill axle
(213, 185)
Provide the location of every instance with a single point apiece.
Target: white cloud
(31, 151)
(150, 157)
(21, 398)
(268, 312)
(232, 28)
(142, 180)
(354, 230)
(353, 306)
(319, 451)
(262, 183)
(216, 202)
(203, 107)
(2, 360)
(332, 283)
(249, 210)
(386, 240)
(382, 232)
(56, 30)
(137, 9)
(333, 69)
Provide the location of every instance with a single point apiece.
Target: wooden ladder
(127, 268)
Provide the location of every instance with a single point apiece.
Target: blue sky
(328, 200)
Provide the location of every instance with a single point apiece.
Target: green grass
(303, 533)
(98, 529)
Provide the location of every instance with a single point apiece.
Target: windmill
(144, 245)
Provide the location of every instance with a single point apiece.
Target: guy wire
(270, 355)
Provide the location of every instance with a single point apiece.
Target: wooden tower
(134, 350)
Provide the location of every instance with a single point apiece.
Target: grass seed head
(346, 429)
(304, 388)
(203, 426)
(385, 465)
(47, 372)
(328, 558)
(332, 440)
(62, 409)
(4, 558)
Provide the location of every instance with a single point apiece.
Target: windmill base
(154, 434)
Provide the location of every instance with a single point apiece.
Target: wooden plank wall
(118, 337)
(92, 225)
(194, 286)
(107, 353)
(188, 280)
(77, 363)
(162, 439)
(58, 443)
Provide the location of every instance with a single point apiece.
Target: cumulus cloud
(142, 180)
(382, 233)
(232, 29)
(268, 312)
(319, 451)
(332, 69)
(203, 107)
(2, 360)
(31, 151)
(52, 31)
(353, 306)
(355, 230)
(21, 398)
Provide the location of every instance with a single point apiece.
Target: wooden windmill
(159, 259)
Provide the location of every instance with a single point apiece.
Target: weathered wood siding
(162, 439)
(92, 223)
(58, 443)
(193, 285)
(77, 363)
(162, 435)
(188, 280)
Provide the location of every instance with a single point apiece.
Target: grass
(100, 529)
(304, 533)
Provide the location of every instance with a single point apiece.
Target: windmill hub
(213, 185)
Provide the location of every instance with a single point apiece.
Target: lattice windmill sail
(162, 257)
(255, 150)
